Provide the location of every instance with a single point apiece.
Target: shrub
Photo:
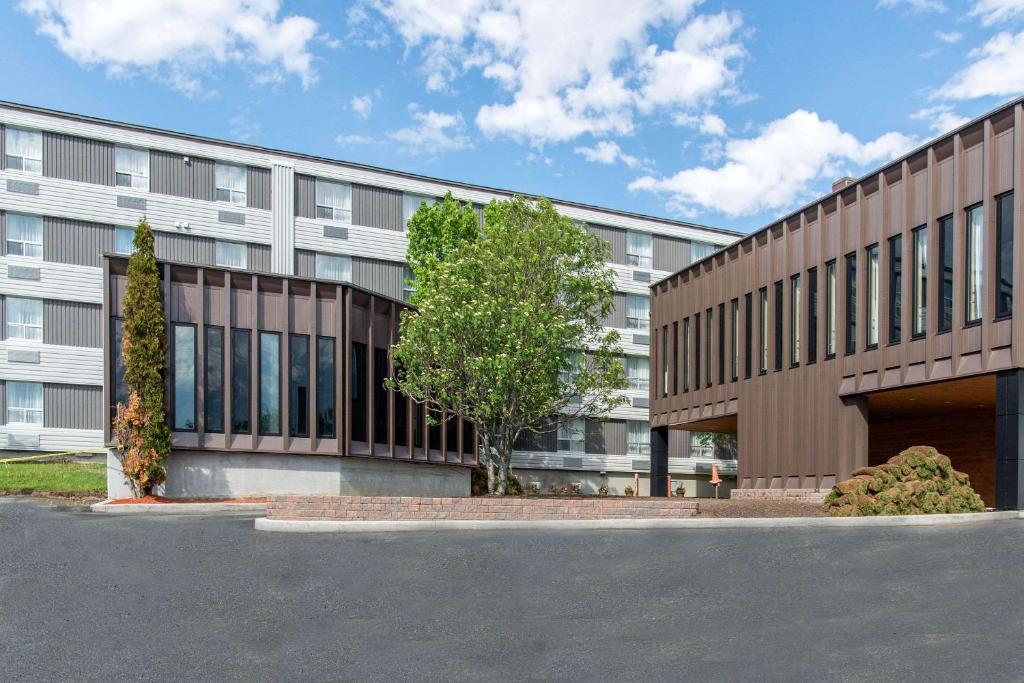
(680, 490)
(920, 480)
(577, 488)
(628, 490)
(602, 490)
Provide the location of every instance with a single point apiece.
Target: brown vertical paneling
(391, 373)
(254, 344)
(371, 314)
(346, 323)
(108, 351)
(1018, 242)
(225, 296)
(200, 368)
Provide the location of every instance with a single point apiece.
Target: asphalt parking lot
(88, 597)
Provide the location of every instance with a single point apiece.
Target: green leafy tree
(141, 425)
(506, 331)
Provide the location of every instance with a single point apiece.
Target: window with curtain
(638, 312)
(638, 372)
(24, 318)
(25, 403)
(411, 204)
(638, 437)
(700, 250)
(231, 254)
(975, 289)
(572, 435)
(333, 201)
(131, 168)
(329, 267)
(24, 235)
(23, 150)
(230, 182)
(124, 240)
(639, 249)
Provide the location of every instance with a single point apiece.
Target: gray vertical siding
(305, 196)
(617, 318)
(3, 320)
(259, 258)
(678, 443)
(72, 406)
(184, 248)
(3, 159)
(79, 159)
(3, 402)
(378, 276)
(78, 242)
(3, 223)
(376, 207)
(169, 174)
(305, 263)
(282, 210)
(616, 237)
(479, 215)
(670, 253)
(545, 442)
(257, 187)
(70, 323)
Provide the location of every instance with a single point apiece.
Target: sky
(727, 114)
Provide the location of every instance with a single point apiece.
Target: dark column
(1009, 440)
(659, 461)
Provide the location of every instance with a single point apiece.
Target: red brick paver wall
(364, 508)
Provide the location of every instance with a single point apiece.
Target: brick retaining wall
(787, 495)
(365, 508)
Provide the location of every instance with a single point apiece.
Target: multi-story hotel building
(73, 187)
(878, 317)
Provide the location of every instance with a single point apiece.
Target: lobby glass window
(184, 380)
(24, 235)
(230, 183)
(1004, 255)
(333, 201)
(325, 387)
(920, 293)
(721, 343)
(812, 315)
(270, 383)
(762, 309)
(696, 350)
(241, 373)
(748, 334)
(638, 437)
(357, 390)
(895, 289)
(974, 290)
(231, 254)
(298, 385)
(851, 303)
(638, 312)
(124, 240)
(708, 325)
(794, 319)
(25, 403)
(639, 249)
(330, 267)
(638, 371)
(380, 395)
(872, 303)
(946, 281)
(213, 379)
(686, 354)
(675, 357)
(411, 204)
(24, 318)
(23, 150)
(734, 364)
(778, 325)
(571, 436)
(830, 309)
(131, 168)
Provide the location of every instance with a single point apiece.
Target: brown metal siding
(72, 406)
(80, 159)
(257, 188)
(79, 242)
(376, 207)
(807, 425)
(171, 175)
(71, 323)
(305, 196)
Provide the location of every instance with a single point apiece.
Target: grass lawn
(56, 477)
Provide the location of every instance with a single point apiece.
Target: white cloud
(991, 12)
(607, 152)
(779, 167)
(434, 134)
(915, 5)
(573, 67)
(362, 105)
(941, 118)
(996, 68)
(949, 36)
(354, 139)
(708, 124)
(179, 41)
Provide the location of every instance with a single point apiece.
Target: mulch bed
(157, 500)
(724, 507)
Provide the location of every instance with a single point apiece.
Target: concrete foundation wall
(223, 475)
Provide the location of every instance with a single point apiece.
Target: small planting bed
(60, 479)
(163, 500)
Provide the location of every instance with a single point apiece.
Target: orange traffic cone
(716, 481)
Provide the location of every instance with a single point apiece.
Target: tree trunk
(504, 460)
(488, 463)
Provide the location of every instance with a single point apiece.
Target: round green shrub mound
(918, 481)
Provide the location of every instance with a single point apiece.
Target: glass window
(708, 321)
(639, 249)
(380, 397)
(946, 284)
(762, 360)
(408, 283)
(24, 235)
(778, 325)
(700, 250)
(638, 372)
(734, 369)
(298, 385)
(131, 168)
(748, 338)
(812, 315)
(230, 182)
(124, 240)
(184, 377)
(329, 267)
(664, 360)
(794, 320)
(571, 436)
(241, 373)
(895, 289)
(357, 391)
(24, 318)
(638, 437)
(270, 383)
(333, 201)
(696, 351)
(213, 396)
(25, 403)
(872, 302)
(638, 312)
(686, 354)
(231, 254)
(830, 309)
(975, 289)
(23, 150)
(721, 343)
(1004, 255)
(411, 204)
(325, 388)
(920, 294)
(116, 344)
(851, 303)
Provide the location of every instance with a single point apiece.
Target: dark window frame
(831, 312)
(294, 416)
(207, 402)
(734, 357)
(850, 293)
(748, 342)
(333, 433)
(795, 292)
(259, 384)
(973, 322)
(812, 315)
(780, 295)
(875, 250)
(696, 351)
(246, 382)
(675, 357)
(709, 333)
(686, 354)
(174, 378)
(762, 319)
(947, 267)
(895, 245)
(721, 343)
(1004, 290)
(664, 361)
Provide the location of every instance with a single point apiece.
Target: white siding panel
(362, 241)
(57, 364)
(56, 440)
(59, 281)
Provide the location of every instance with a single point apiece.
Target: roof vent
(843, 182)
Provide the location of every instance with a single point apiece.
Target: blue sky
(723, 113)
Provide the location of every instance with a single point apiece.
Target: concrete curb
(177, 508)
(344, 526)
